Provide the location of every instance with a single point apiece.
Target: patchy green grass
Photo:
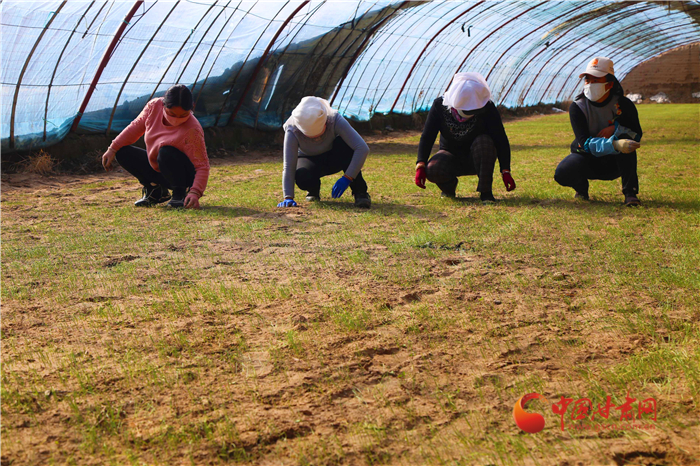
(243, 333)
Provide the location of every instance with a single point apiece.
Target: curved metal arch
(430, 41)
(133, 67)
(201, 88)
(95, 18)
(362, 46)
(333, 55)
(300, 27)
(338, 59)
(103, 63)
(613, 53)
(607, 37)
(160, 81)
(213, 43)
(568, 26)
(555, 53)
(397, 46)
(595, 53)
(492, 33)
(522, 38)
(201, 39)
(262, 60)
(380, 38)
(240, 69)
(312, 62)
(420, 55)
(675, 45)
(431, 78)
(447, 73)
(24, 69)
(58, 62)
(502, 76)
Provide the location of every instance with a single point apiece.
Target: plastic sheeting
(251, 62)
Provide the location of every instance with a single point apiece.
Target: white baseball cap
(311, 114)
(599, 67)
(468, 92)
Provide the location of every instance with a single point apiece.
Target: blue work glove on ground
(340, 186)
(287, 203)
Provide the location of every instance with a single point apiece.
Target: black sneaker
(449, 191)
(178, 200)
(632, 201)
(313, 197)
(582, 197)
(153, 195)
(363, 201)
(487, 198)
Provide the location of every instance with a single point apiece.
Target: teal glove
(287, 203)
(340, 186)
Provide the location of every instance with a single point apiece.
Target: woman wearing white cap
(472, 137)
(318, 142)
(607, 131)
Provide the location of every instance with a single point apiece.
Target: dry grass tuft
(40, 163)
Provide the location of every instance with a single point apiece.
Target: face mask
(174, 121)
(460, 115)
(594, 91)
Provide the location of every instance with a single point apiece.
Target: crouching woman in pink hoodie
(175, 157)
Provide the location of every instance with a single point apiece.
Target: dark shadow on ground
(569, 204)
(228, 211)
(381, 207)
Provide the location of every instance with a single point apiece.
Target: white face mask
(595, 91)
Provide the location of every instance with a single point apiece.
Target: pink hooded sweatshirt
(187, 138)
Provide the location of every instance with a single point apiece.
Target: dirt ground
(425, 373)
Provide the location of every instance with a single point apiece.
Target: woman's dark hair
(616, 89)
(178, 96)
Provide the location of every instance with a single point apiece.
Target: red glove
(508, 180)
(421, 176)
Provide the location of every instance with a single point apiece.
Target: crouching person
(472, 137)
(175, 157)
(319, 142)
(607, 131)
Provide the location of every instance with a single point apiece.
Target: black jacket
(628, 117)
(457, 138)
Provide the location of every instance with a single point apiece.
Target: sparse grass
(243, 333)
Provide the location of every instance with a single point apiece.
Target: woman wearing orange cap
(318, 142)
(472, 137)
(607, 131)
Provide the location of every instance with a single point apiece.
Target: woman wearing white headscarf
(319, 142)
(472, 137)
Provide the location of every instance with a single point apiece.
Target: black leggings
(176, 169)
(444, 167)
(310, 168)
(576, 169)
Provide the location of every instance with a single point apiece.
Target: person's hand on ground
(108, 158)
(192, 201)
(626, 145)
(340, 186)
(607, 132)
(287, 203)
(421, 175)
(508, 180)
